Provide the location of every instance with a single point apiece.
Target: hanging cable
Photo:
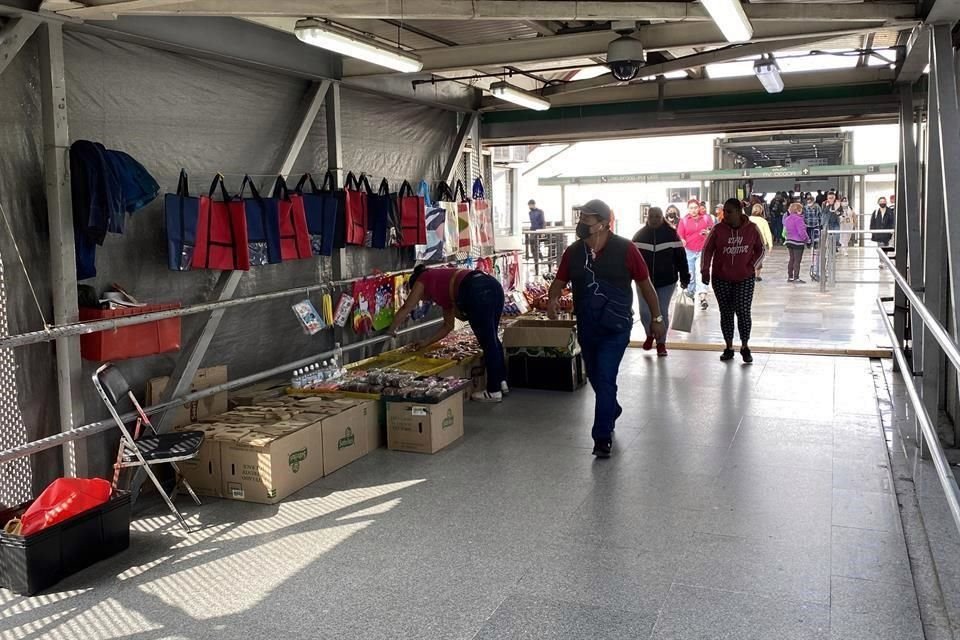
(23, 265)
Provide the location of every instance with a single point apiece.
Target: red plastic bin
(131, 341)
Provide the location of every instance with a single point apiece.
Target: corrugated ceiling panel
(476, 31)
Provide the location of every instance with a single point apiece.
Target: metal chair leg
(166, 498)
(183, 481)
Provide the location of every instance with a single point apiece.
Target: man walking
(602, 267)
(812, 217)
(537, 220)
(832, 213)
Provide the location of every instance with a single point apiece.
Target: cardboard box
(266, 468)
(198, 409)
(203, 472)
(555, 334)
(259, 392)
(424, 428)
(345, 436)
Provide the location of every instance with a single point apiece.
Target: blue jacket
(105, 185)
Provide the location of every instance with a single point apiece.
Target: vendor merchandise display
(404, 385)
(458, 346)
(537, 298)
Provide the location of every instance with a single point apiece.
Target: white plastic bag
(681, 316)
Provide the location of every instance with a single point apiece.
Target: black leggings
(735, 298)
(796, 259)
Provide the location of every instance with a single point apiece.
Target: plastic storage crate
(550, 374)
(33, 563)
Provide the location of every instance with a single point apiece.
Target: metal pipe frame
(940, 463)
(467, 128)
(12, 38)
(63, 269)
(909, 203)
(93, 428)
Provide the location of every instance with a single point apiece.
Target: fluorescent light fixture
(730, 18)
(510, 93)
(327, 36)
(769, 74)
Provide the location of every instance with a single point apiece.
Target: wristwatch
(658, 320)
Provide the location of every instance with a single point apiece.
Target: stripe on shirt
(663, 246)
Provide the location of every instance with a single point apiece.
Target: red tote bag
(222, 232)
(355, 208)
(413, 222)
(294, 235)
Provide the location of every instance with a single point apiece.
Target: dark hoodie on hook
(733, 253)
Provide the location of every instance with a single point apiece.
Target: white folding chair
(138, 450)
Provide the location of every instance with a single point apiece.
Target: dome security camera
(625, 58)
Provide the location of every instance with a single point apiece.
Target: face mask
(583, 230)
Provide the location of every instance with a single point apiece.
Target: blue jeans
(664, 295)
(693, 263)
(602, 353)
(480, 297)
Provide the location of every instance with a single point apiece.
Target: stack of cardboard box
(266, 452)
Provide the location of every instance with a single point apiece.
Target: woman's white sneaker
(504, 388)
(486, 396)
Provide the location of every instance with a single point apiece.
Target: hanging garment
(435, 220)
(294, 236)
(448, 201)
(381, 216)
(413, 229)
(355, 209)
(104, 185)
(323, 209)
(263, 230)
(222, 233)
(464, 213)
(180, 214)
(481, 221)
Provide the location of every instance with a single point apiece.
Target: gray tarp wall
(171, 111)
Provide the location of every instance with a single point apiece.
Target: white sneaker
(486, 396)
(505, 388)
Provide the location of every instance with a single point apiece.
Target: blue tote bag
(181, 212)
(263, 226)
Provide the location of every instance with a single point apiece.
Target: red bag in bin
(63, 499)
(221, 232)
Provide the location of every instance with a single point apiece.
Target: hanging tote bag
(294, 236)
(364, 305)
(463, 219)
(323, 209)
(448, 201)
(355, 209)
(385, 303)
(380, 215)
(413, 224)
(263, 232)
(435, 220)
(481, 221)
(181, 212)
(222, 233)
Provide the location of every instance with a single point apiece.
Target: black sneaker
(727, 355)
(799, 281)
(602, 448)
(746, 355)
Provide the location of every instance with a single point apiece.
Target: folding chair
(156, 448)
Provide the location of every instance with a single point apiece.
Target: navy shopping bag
(181, 212)
(263, 226)
(323, 208)
(381, 215)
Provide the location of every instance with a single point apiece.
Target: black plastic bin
(33, 563)
(546, 373)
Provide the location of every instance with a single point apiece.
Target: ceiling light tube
(730, 18)
(510, 93)
(327, 36)
(768, 72)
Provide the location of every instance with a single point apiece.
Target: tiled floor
(797, 316)
(741, 503)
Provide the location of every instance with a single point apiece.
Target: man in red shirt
(602, 268)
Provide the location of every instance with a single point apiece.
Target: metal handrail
(940, 463)
(87, 430)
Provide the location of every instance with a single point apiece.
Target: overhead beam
(686, 87)
(725, 54)
(917, 55)
(658, 37)
(831, 171)
(942, 11)
(13, 36)
(558, 10)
